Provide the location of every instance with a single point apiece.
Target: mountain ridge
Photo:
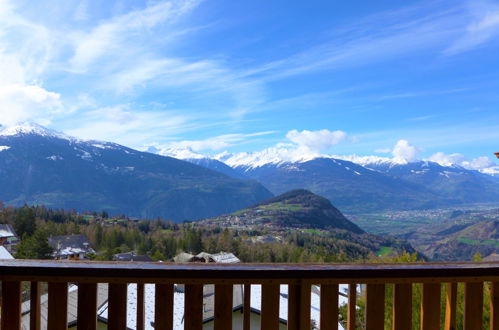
(40, 166)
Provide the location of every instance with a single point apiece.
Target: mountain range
(372, 184)
(41, 166)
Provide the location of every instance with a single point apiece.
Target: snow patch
(54, 158)
(85, 155)
(25, 128)
(181, 153)
(270, 156)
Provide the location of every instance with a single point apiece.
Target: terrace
(299, 278)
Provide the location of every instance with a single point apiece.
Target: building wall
(237, 322)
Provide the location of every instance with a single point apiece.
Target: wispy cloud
(483, 28)
(113, 36)
(215, 143)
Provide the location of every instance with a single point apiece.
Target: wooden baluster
(375, 306)
(163, 307)
(299, 306)
(57, 306)
(270, 306)
(140, 307)
(35, 306)
(402, 307)
(473, 306)
(294, 310)
(11, 305)
(116, 312)
(352, 306)
(87, 306)
(247, 307)
(223, 306)
(430, 307)
(193, 314)
(329, 307)
(450, 306)
(494, 306)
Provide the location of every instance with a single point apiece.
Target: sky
(413, 79)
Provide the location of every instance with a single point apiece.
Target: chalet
(8, 237)
(71, 247)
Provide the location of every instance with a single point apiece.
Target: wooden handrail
(147, 272)
(302, 280)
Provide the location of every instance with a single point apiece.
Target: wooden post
(87, 306)
(402, 307)
(193, 313)
(270, 306)
(375, 307)
(352, 306)
(247, 307)
(223, 306)
(430, 307)
(450, 306)
(116, 312)
(299, 306)
(163, 306)
(329, 307)
(494, 306)
(11, 305)
(58, 306)
(35, 306)
(473, 305)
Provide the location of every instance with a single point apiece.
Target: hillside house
(8, 237)
(70, 247)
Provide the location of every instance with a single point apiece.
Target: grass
(469, 241)
(282, 206)
(312, 231)
(384, 251)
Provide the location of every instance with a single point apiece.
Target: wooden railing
(299, 277)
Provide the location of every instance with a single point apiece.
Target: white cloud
(124, 124)
(211, 144)
(484, 28)
(404, 151)
(113, 36)
(447, 159)
(301, 146)
(22, 102)
(316, 141)
(480, 163)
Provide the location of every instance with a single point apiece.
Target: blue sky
(241, 75)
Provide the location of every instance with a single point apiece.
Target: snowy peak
(274, 156)
(181, 153)
(30, 128)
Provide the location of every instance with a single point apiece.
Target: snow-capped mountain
(201, 160)
(41, 166)
(28, 128)
(454, 182)
(368, 182)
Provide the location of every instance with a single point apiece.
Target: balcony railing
(299, 278)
